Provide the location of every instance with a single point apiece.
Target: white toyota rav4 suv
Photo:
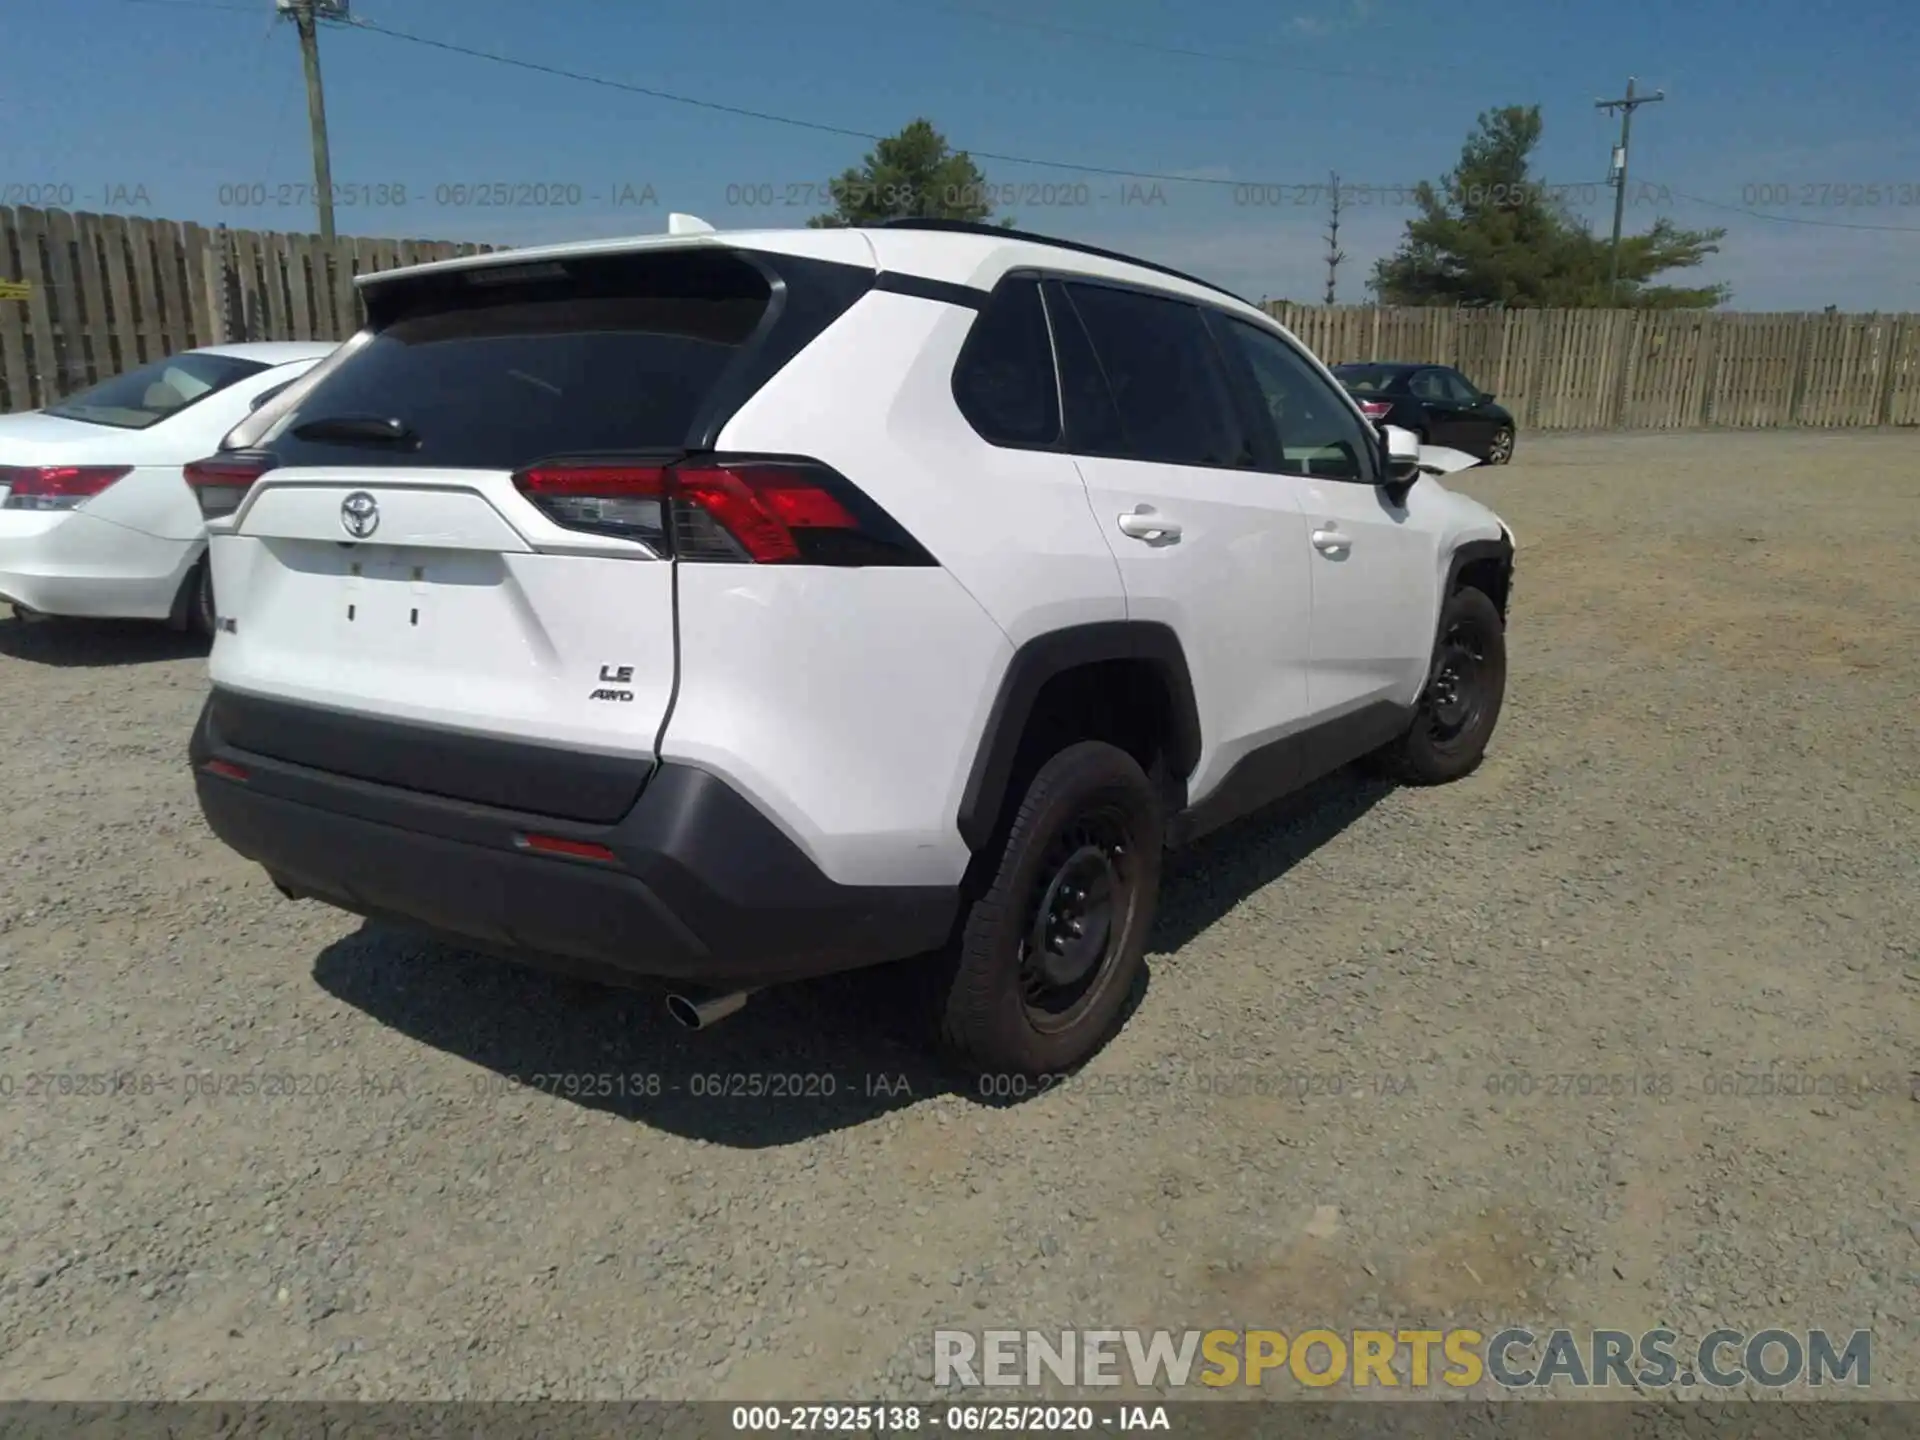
(729, 608)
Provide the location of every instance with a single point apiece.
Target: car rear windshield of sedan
(1366, 378)
(152, 393)
(487, 370)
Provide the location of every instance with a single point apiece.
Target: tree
(912, 175)
(1489, 234)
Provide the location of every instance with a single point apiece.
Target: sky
(1792, 123)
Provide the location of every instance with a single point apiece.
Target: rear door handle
(1146, 523)
(1330, 542)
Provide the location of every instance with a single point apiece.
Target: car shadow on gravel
(1208, 878)
(88, 643)
(797, 1061)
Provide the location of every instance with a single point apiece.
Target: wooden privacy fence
(1645, 369)
(85, 296)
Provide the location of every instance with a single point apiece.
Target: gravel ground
(1690, 857)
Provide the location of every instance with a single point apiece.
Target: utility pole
(1626, 106)
(306, 17)
(1334, 253)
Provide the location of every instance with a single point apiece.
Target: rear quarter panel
(847, 703)
(852, 702)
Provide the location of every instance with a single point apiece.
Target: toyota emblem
(360, 514)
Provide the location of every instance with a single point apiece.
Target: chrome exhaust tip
(701, 1014)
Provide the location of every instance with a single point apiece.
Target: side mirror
(1402, 448)
(1486, 397)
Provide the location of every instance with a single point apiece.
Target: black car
(1438, 404)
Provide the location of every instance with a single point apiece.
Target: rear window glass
(488, 371)
(1365, 379)
(146, 396)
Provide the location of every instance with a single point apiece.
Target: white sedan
(95, 515)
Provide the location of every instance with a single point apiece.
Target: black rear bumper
(703, 889)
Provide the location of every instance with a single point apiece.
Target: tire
(1460, 704)
(202, 617)
(1090, 822)
(1500, 448)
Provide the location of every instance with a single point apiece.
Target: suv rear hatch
(405, 553)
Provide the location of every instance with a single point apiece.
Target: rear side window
(1092, 422)
(1165, 376)
(491, 371)
(146, 396)
(1004, 382)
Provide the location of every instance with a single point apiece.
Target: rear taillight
(1376, 409)
(624, 500)
(56, 487)
(221, 482)
(763, 511)
(771, 512)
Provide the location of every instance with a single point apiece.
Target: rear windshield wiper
(361, 429)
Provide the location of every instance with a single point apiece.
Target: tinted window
(1318, 432)
(1004, 382)
(1429, 386)
(146, 396)
(1459, 390)
(1165, 377)
(607, 356)
(1092, 422)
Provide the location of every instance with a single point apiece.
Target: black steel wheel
(1460, 704)
(1055, 937)
(1087, 883)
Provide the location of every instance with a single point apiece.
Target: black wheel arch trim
(1472, 552)
(1056, 653)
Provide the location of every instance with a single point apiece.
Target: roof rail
(975, 227)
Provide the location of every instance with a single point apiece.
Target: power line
(1785, 219)
(820, 127)
(361, 23)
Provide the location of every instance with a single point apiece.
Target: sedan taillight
(221, 482)
(56, 487)
(1376, 409)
